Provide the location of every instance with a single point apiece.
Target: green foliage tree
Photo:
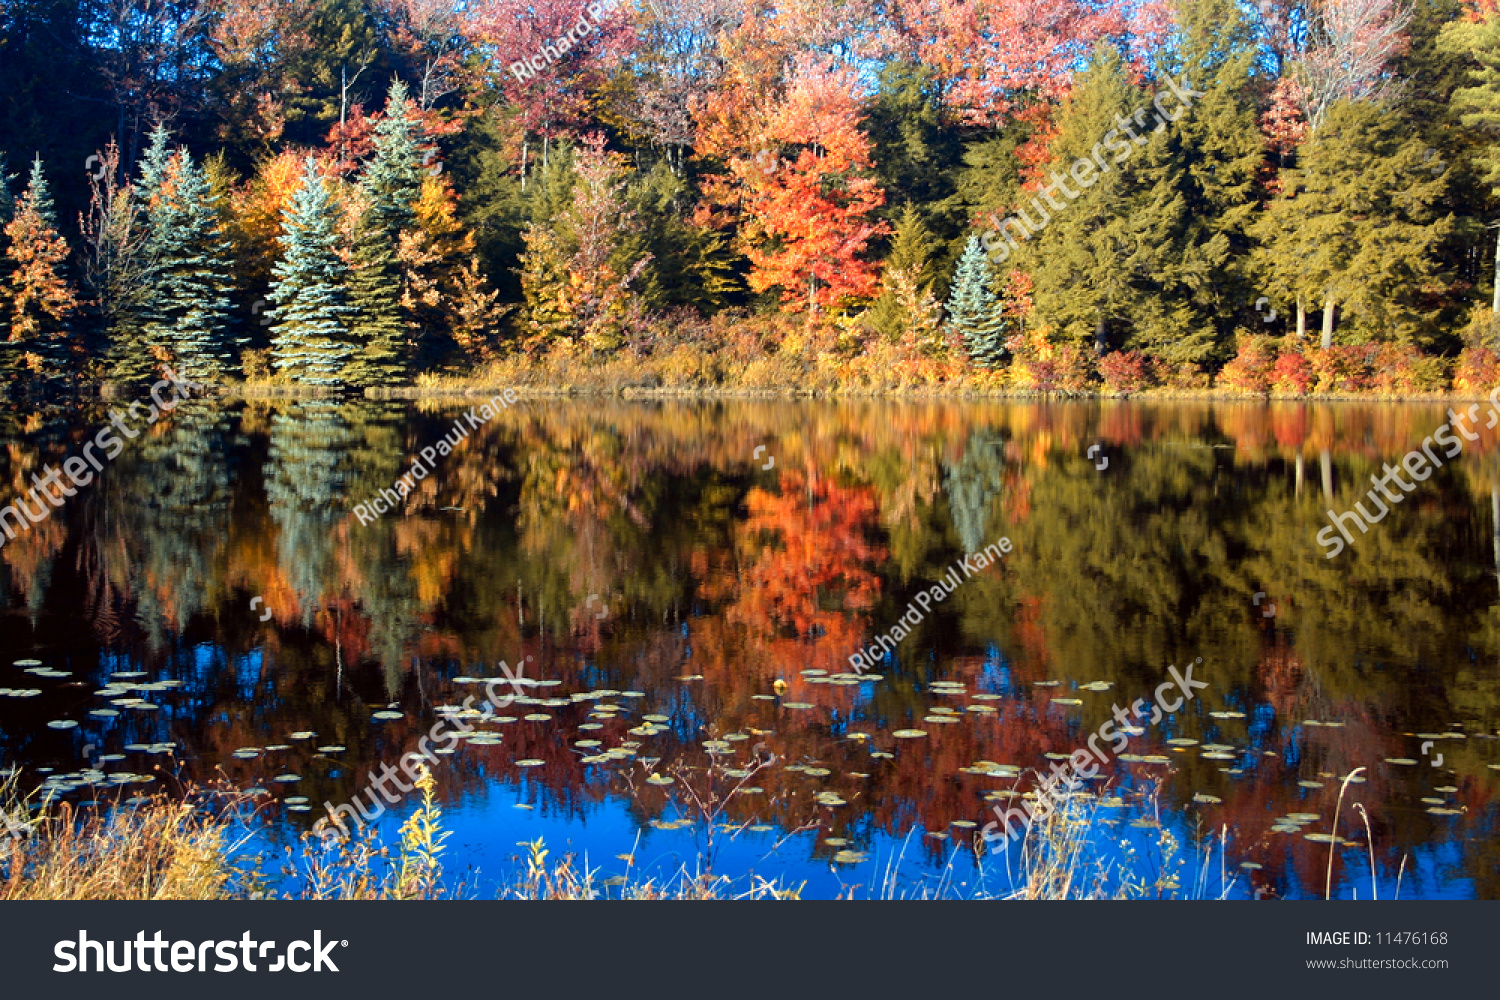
(309, 286)
(1081, 252)
(188, 321)
(906, 304)
(1191, 191)
(974, 309)
(916, 150)
(390, 185)
(1478, 103)
(1357, 225)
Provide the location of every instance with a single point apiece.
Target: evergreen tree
(392, 179)
(548, 310)
(905, 304)
(390, 186)
(130, 358)
(1080, 258)
(692, 265)
(1356, 226)
(40, 298)
(916, 151)
(309, 286)
(189, 321)
(1191, 192)
(1478, 104)
(974, 310)
(375, 325)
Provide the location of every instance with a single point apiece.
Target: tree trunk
(1326, 461)
(1301, 319)
(1099, 336)
(1495, 525)
(1328, 307)
(1495, 307)
(525, 147)
(1299, 474)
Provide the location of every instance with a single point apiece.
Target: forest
(358, 194)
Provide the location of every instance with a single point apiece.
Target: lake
(211, 607)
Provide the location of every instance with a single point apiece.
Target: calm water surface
(658, 559)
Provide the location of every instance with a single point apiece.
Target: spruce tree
(392, 179)
(390, 186)
(129, 358)
(309, 286)
(905, 305)
(190, 305)
(375, 324)
(974, 310)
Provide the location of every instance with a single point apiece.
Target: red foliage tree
(808, 211)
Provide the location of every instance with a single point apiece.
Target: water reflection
(648, 561)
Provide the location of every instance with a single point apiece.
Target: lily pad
(909, 734)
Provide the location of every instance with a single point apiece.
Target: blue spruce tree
(309, 286)
(189, 305)
(973, 309)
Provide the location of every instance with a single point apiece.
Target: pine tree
(1478, 104)
(189, 322)
(375, 325)
(905, 303)
(917, 151)
(973, 308)
(390, 187)
(1079, 258)
(1356, 227)
(41, 300)
(130, 356)
(309, 286)
(1191, 192)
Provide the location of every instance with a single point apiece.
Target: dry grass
(187, 849)
(165, 850)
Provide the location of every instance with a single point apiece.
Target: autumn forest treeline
(798, 193)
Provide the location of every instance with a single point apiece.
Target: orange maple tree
(808, 203)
